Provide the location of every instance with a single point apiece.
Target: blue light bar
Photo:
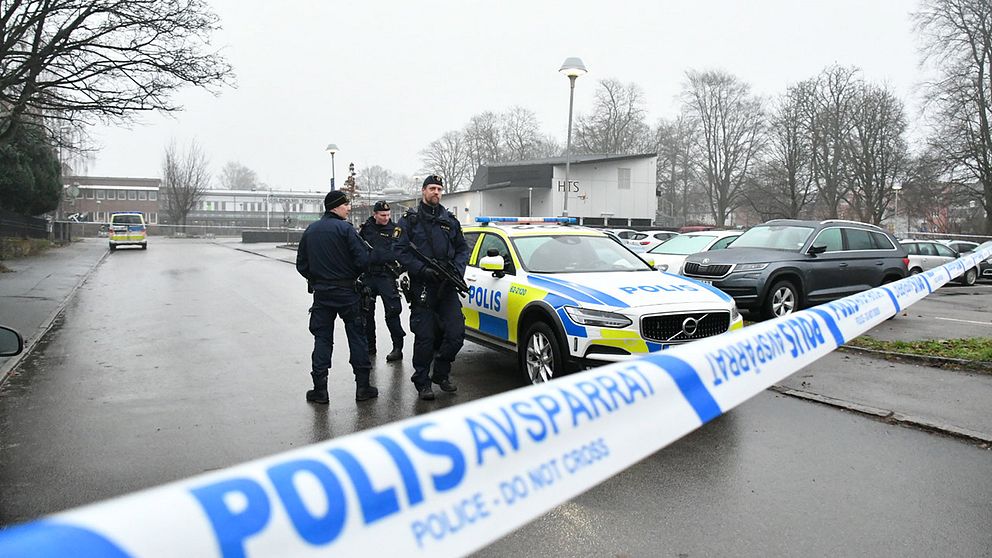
(560, 220)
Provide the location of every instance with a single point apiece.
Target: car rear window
(125, 219)
(858, 239)
(881, 241)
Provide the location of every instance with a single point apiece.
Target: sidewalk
(34, 292)
(950, 401)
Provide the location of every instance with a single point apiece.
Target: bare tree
(75, 60)
(829, 117)
(731, 123)
(877, 150)
(618, 122)
(375, 179)
(448, 156)
(956, 38)
(184, 179)
(783, 187)
(521, 134)
(483, 139)
(676, 144)
(235, 176)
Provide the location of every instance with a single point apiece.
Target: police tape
(453, 481)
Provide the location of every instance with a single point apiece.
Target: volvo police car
(564, 296)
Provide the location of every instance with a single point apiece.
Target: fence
(22, 226)
(450, 482)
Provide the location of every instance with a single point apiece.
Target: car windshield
(775, 237)
(683, 244)
(575, 254)
(126, 219)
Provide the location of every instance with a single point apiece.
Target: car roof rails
(849, 222)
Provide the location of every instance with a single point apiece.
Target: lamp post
(572, 68)
(530, 201)
(895, 218)
(332, 148)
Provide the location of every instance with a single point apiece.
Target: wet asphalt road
(195, 356)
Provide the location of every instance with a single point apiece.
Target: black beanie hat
(334, 198)
(381, 205)
(432, 179)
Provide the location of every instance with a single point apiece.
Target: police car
(564, 296)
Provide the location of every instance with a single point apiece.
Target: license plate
(707, 281)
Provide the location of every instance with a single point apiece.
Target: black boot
(446, 385)
(365, 393)
(397, 352)
(318, 396)
(426, 393)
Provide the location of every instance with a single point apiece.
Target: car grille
(715, 270)
(670, 328)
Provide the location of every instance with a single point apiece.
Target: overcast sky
(382, 79)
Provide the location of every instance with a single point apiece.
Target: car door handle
(470, 279)
(842, 265)
(879, 263)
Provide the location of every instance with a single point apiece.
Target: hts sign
(573, 185)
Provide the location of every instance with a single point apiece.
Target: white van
(127, 228)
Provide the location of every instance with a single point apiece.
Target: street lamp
(332, 148)
(895, 218)
(572, 68)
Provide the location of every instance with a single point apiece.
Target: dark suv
(784, 265)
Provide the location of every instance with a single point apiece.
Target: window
(623, 179)
(142, 195)
(858, 239)
(471, 238)
(494, 242)
(723, 243)
(926, 249)
(944, 251)
(89, 194)
(153, 217)
(100, 194)
(831, 238)
(881, 241)
(152, 196)
(132, 195)
(122, 194)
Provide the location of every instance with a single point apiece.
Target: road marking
(962, 321)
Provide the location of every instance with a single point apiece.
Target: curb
(46, 326)
(891, 417)
(934, 361)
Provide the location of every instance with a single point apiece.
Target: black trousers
(327, 307)
(384, 287)
(438, 326)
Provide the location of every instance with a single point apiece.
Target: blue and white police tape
(448, 483)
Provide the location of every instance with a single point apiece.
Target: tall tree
(956, 37)
(76, 60)
(618, 122)
(483, 139)
(521, 134)
(731, 123)
(30, 181)
(676, 144)
(878, 151)
(448, 156)
(783, 187)
(830, 119)
(185, 178)
(235, 176)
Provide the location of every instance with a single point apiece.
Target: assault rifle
(403, 284)
(445, 270)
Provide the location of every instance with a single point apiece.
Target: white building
(617, 190)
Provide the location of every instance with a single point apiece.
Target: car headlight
(662, 267)
(734, 312)
(750, 267)
(599, 318)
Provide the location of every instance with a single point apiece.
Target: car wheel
(541, 358)
(915, 271)
(144, 245)
(112, 247)
(970, 277)
(782, 300)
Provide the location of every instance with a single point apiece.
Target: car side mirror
(11, 342)
(817, 249)
(649, 260)
(494, 264)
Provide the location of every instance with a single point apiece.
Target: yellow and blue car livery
(602, 302)
(127, 228)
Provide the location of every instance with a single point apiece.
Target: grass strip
(971, 348)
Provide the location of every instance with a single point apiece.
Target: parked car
(928, 254)
(624, 235)
(671, 254)
(649, 239)
(960, 246)
(564, 296)
(784, 265)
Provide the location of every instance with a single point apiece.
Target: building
(617, 190)
(94, 198)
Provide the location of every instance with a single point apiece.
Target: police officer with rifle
(380, 279)
(432, 248)
(331, 256)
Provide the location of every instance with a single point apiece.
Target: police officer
(331, 257)
(378, 231)
(436, 310)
